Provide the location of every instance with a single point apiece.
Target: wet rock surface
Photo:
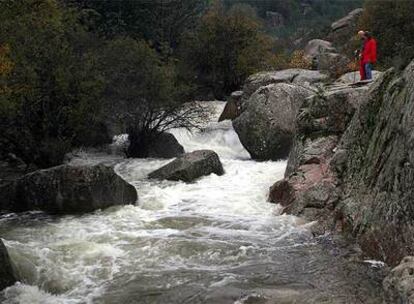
(379, 171)
(190, 166)
(232, 107)
(165, 146)
(310, 185)
(69, 189)
(7, 275)
(353, 169)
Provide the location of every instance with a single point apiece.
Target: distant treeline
(315, 13)
(74, 72)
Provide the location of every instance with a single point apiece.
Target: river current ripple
(216, 240)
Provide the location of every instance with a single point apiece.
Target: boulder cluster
(350, 151)
(268, 106)
(351, 169)
(334, 54)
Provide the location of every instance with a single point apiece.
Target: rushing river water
(213, 241)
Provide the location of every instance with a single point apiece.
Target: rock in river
(165, 146)
(7, 276)
(266, 127)
(70, 189)
(190, 166)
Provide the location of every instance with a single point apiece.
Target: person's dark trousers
(368, 71)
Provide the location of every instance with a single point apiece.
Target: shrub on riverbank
(48, 88)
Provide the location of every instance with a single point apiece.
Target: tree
(392, 24)
(226, 48)
(142, 95)
(49, 90)
(160, 22)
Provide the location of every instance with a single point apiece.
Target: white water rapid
(213, 241)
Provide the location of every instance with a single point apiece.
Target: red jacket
(369, 53)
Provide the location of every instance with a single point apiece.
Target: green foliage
(226, 48)
(142, 93)
(67, 72)
(70, 68)
(288, 8)
(392, 24)
(160, 22)
(48, 95)
(301, 16)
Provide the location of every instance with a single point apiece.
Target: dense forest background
(74, 72)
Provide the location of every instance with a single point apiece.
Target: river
(216, 241)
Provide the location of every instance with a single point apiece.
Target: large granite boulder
(266, 127)
(316, 47)
(344, 30)
(347, 21)
(165, 146)
(399, 284)
(294, 76)
(333, 64)
(325, 58)
(190, 166)
(301, 77)
(7, 275)
(69, 189)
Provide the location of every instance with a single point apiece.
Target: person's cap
(361, 33)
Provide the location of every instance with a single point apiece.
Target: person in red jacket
(368, 55)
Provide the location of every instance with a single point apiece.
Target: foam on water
(181, 238)
(216, 136)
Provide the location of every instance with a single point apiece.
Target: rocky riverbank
(353, 172)
(351, 168)
(351, 162)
